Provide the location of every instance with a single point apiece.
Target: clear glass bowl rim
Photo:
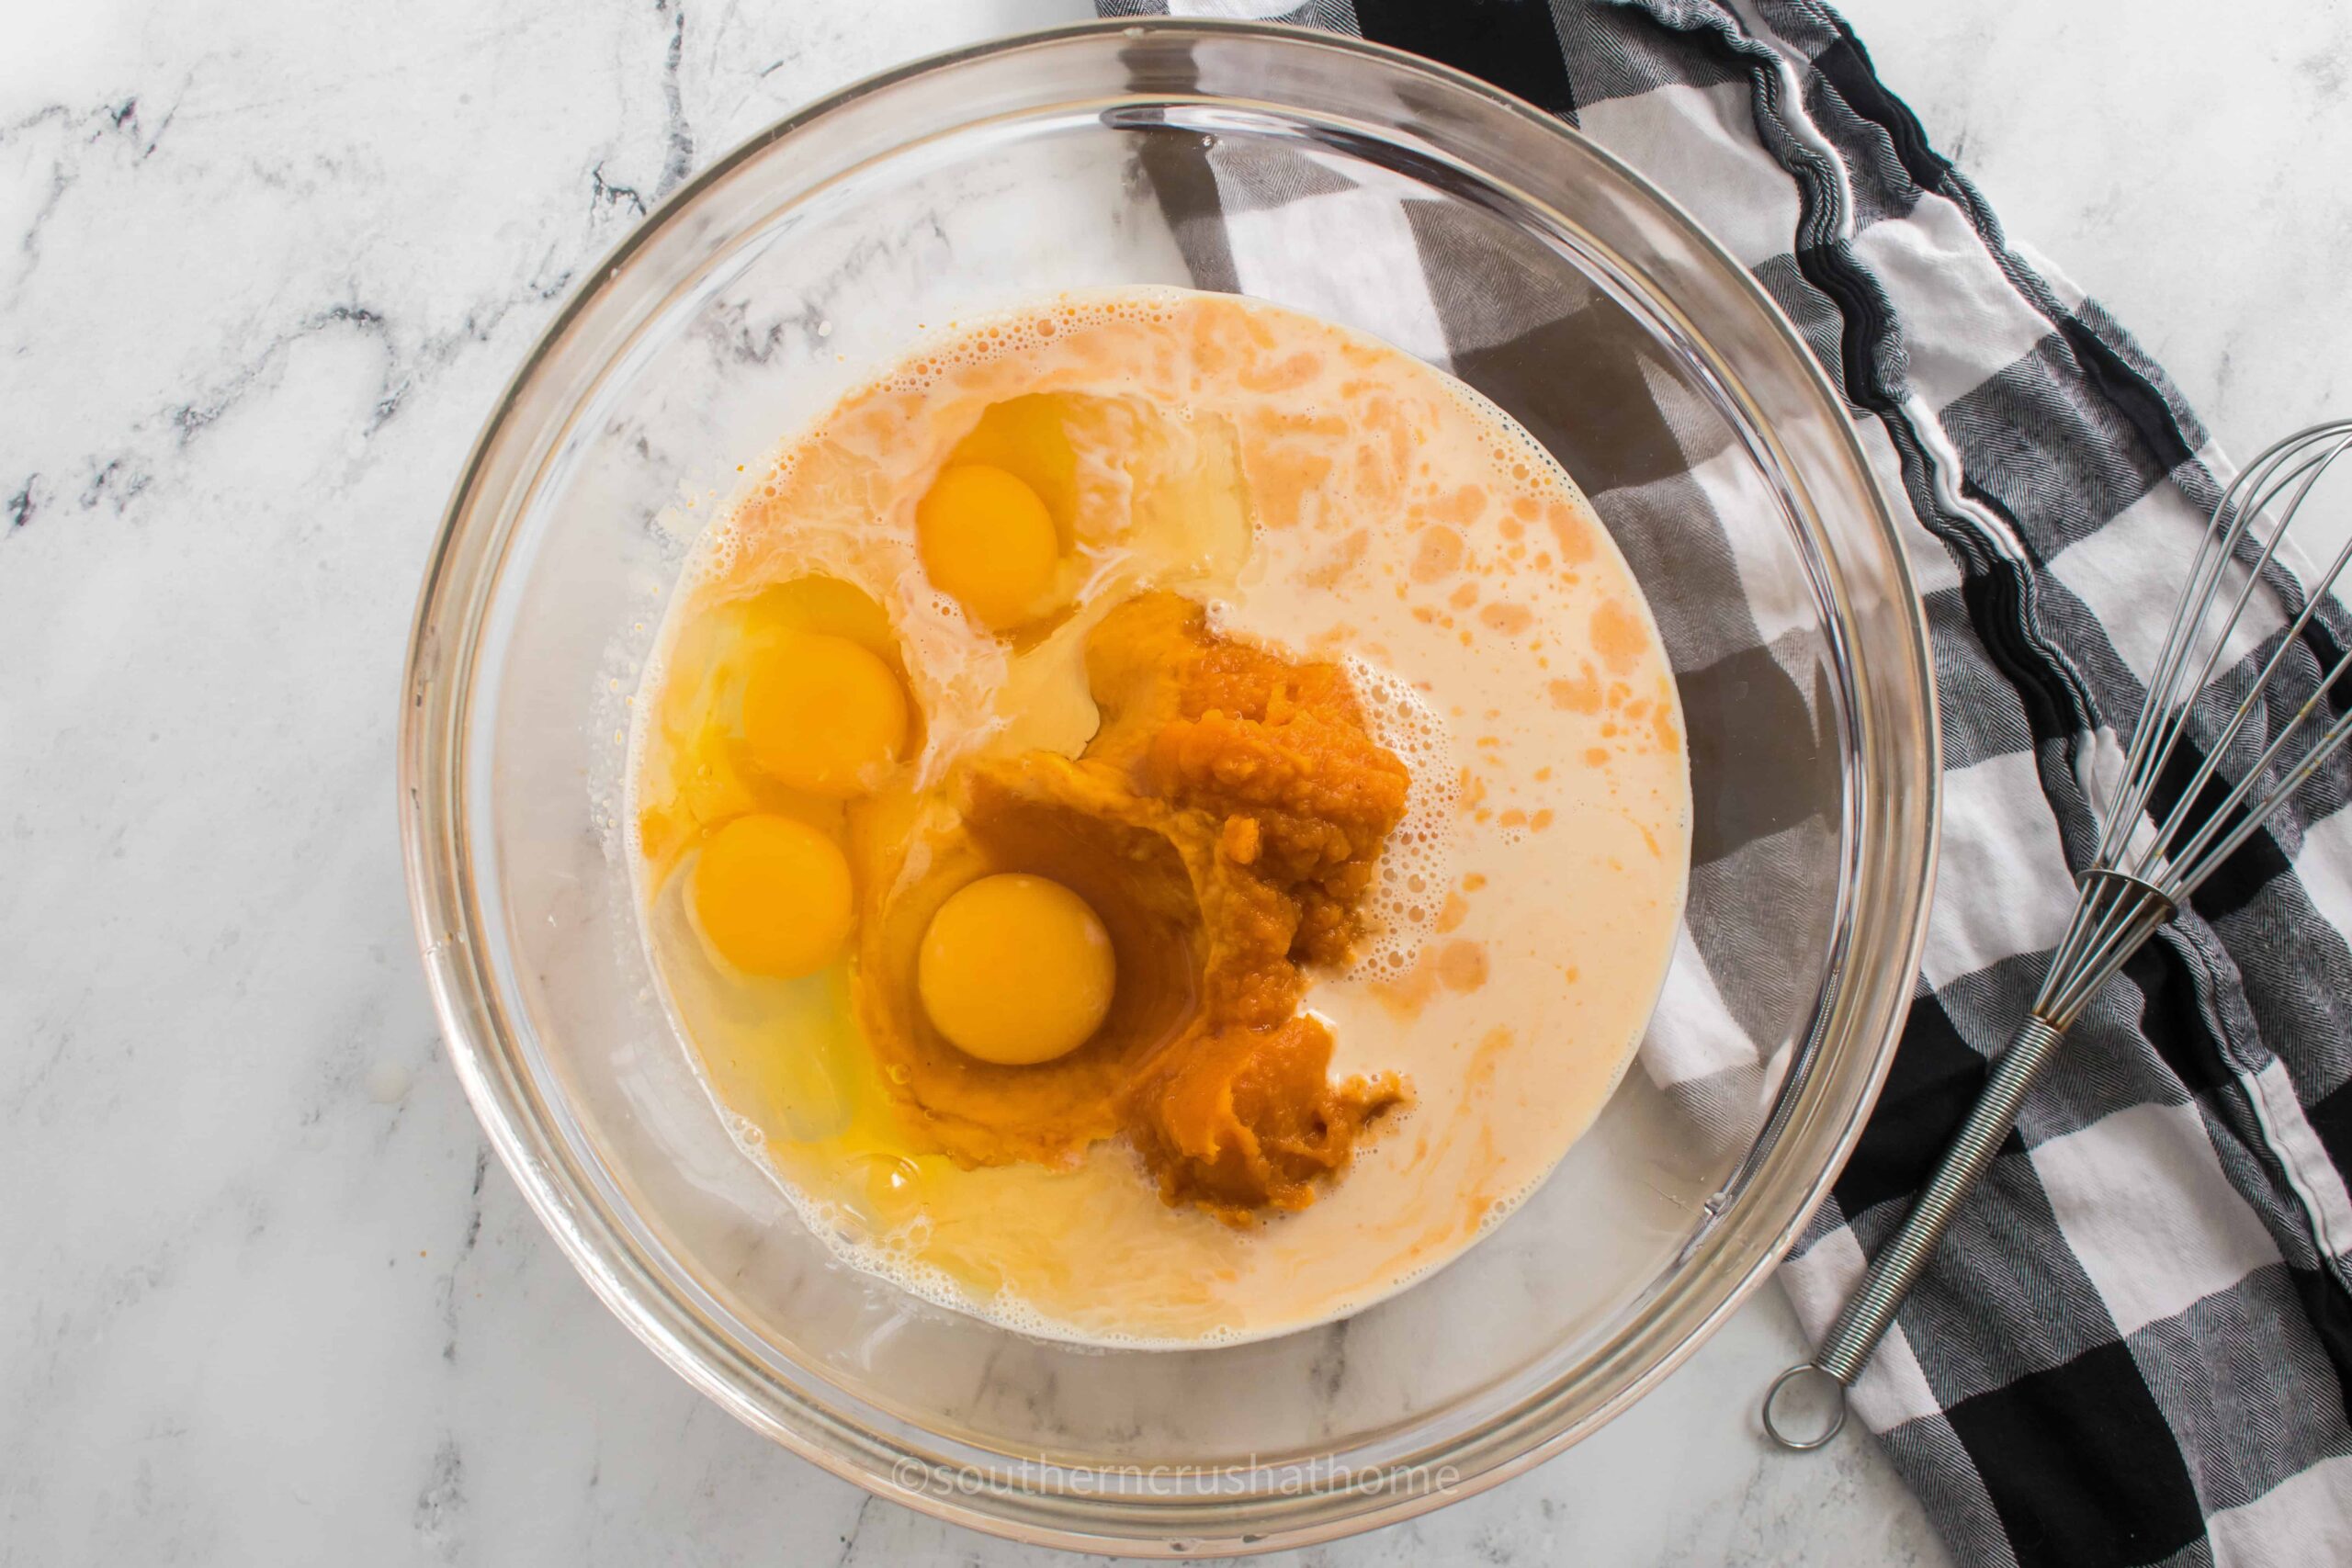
(1779, 1187)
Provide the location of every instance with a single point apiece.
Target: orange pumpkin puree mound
(1226, 822)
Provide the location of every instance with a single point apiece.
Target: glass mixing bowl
(1326, 174)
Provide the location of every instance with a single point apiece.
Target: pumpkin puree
(1226, 822)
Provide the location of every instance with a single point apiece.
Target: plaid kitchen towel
(2136, 1344)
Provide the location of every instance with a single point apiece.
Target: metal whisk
(2146, 865)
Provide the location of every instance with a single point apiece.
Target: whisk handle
(1899, 1264)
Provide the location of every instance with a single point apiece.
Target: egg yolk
(1016, 970)
(772, 896)
(824, 715)
(988, 543)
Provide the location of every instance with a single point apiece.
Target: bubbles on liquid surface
(1417, 866)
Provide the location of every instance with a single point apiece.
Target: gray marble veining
(267, 1297)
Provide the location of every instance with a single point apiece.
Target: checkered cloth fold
(2136, 1345)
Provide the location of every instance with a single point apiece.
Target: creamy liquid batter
(1326, 495)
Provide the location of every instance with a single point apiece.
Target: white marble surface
(264, 1296)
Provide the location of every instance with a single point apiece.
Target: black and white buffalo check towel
(2136, 1346)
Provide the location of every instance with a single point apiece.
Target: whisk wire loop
(2298, 463)
(2217, 819)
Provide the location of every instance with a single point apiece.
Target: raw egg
(823, 715)
(1016, 970)
(772, 896)
(988, 543)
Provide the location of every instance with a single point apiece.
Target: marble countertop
(262, 267)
